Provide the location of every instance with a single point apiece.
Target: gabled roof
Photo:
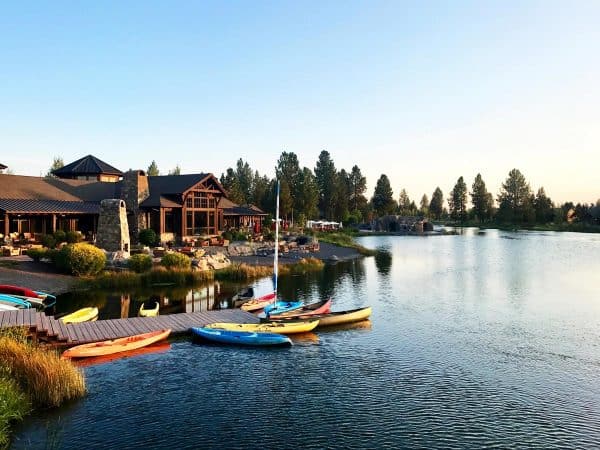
(88, 165)
(233, 209)
(166, 190)
(2, 166)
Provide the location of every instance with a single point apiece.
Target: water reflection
(383, 261)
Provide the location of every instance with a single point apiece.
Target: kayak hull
(116, 345)
(259, 303)
(241, 337)
(288, 327)
(81, 315)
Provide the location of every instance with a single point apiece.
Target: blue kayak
(280, 307)
(14, 301)
(241, 337)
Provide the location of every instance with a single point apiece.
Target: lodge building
(178, 208)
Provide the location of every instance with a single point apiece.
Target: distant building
(177, 207)
(2, 166)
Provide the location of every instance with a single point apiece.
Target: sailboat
(279, 307)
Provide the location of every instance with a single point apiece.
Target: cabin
(2, 166)
(179, 208)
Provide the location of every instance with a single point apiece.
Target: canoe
(81, 315)
(116, 345)
(241, 337)
(280, 307)
(152, 312)
(337, 317)
(158, 347)
(259, 303)
(14, 301)
(36, 298)
(306, 311)
(287, 327)
(4, 307)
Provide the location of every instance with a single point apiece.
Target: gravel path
(36, 276)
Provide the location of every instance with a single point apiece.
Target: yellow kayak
(81, 315)
(152, 312)
(288, 327)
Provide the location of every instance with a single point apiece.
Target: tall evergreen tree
(325, 173)
(260, 192)
(57, 163)
(383, 197)
(308, 199)
(231, 183)
(288, 169)
(357, 188)
(457, 203)
(482, 200)
(515, 200)
(404, 206)
(341, 195)
(245, 178)
(424, 210)
(175, 171)
(544, 208)
(436, 207)
(153, 169)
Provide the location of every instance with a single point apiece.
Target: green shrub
(227, 235)
(140, 263)
(148, 237)
(73, 237)
(176, 261)
(37, 253)
(80, 259)
(49, 241)
(60, 236)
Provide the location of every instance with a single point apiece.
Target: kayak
(242, 297)
(36, 298)
(259, 303)
(306, 311)
(81, 315)
(280, 307)
(4, 307)
(337, 317)
(158, 347)
(241, 337)
(152, 312)
(287, 327)
(14, 301)
(116, 345)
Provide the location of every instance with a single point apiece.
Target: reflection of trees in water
(383, 261)
(302, 287)
(72, 301)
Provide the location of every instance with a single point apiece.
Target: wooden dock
(49, 330)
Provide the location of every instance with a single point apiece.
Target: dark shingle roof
(36, 188)
(14, 206)
(233, 209)
(165, 190)
(88, 165)
(2, 166)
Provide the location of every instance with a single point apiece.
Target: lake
(481, 339)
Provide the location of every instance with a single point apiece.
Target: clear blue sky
(423, 92)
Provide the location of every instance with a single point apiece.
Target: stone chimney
(113, 231)
(134, 191)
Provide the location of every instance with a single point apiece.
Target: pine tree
(153, 169)
(436, 207)
(515, 200)
(57, 163)
(457, 203)
(482, 200)
(424, 211)
(383, 197)
(544, 208)
(325, 173)
(404, 206)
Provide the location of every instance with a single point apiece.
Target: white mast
(276, 260)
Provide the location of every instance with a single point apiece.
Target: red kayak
(40, 299)
(322, 307)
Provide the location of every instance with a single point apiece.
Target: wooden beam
(6, 225)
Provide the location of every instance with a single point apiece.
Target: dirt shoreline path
(40, 277)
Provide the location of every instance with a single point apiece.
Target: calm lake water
(475, 340)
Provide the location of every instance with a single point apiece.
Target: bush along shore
(32, 376)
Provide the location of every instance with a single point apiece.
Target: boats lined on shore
(259, 303)
(35, 298)
(16, 302)
(321, 307)
(250, 338)
(116, 345)
(281, 307)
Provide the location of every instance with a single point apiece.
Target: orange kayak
(259, 303)
(116, 345)
(158, 347)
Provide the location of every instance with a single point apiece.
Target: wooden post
(53, 223)
(6, 226)
(183, 219)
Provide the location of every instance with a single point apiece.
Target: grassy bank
(32, 377)
(345, 240)
(127, 280)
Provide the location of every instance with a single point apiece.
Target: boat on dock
(116, 345)
(14, 301)
(150, 312)
(81, 315)
(38, 299)
(259, 303)
(281, 307)
(312, 309)
(250, 338)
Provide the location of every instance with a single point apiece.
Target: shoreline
(22, 271)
